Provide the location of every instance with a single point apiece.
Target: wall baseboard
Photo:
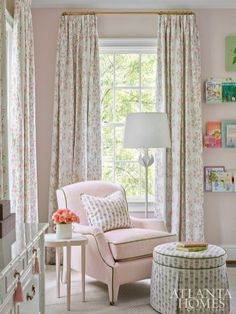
(231, 252)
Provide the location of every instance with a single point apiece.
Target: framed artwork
(228, 133)
(230, 53)
(209, 175)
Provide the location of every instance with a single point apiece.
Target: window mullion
(140, 109)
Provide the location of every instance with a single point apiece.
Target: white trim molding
(135, 4)
(127, 45)
(230, 250)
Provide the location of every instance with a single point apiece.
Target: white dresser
(17, 256)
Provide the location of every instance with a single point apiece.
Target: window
(127, 85)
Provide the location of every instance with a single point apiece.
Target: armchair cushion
(107, 213)
(135, 243)
(148, 223)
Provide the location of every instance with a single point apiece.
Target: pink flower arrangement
(65, 216)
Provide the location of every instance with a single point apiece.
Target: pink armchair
(114, 257)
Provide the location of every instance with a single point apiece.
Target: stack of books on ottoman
(191, 246)
(7, 219)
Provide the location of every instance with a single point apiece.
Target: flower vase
(64, 231)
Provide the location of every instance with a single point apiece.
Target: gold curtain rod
(138, 12)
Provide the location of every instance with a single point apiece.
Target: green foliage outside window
(127, 85)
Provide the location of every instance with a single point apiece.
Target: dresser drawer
(10, 277)
(2, 289)
(31, 296)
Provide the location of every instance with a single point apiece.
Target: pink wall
(220, 211)
(220, 208)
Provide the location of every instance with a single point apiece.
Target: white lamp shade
(147, 130)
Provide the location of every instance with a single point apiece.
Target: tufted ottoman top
(167, 255)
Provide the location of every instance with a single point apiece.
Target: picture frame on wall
(230, 53)
(228, 133)
(208, 170)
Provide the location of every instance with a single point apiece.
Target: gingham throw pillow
(108, 213)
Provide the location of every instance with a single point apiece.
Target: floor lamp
(144, 131)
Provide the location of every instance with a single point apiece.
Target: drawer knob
(16, 274)
(30, 297)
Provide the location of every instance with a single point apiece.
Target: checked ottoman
(189, 282)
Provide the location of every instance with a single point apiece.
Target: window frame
(136, 46)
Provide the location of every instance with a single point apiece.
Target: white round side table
(76, 240)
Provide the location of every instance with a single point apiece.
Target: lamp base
(146, 161)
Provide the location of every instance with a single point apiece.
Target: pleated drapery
(4, 176)
(76, 143)
(23, 164)
(179, 188)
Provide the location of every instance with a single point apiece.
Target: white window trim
(129, 45)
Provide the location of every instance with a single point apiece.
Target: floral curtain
(23, 168)
(4, 193)
(180, 195)
(76, 142)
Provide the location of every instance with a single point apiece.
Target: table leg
(58, 266)
(42, 275)
(83, 271)
(68, 251)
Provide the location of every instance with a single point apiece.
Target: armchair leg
(113, 291)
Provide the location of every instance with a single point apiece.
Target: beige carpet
(133, 298)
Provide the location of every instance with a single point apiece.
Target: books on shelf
(214, 91)
(223, 182)
(213, 136)
(217, 179)
(220, 90)
(231, 135)
(191, 246)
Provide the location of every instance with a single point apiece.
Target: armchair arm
(100, 241)
(103, 247)
(83, 229)
(148, 223)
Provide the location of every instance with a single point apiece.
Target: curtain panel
(180, 195)
(23, 168)
(76, 142)
(4, 184)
